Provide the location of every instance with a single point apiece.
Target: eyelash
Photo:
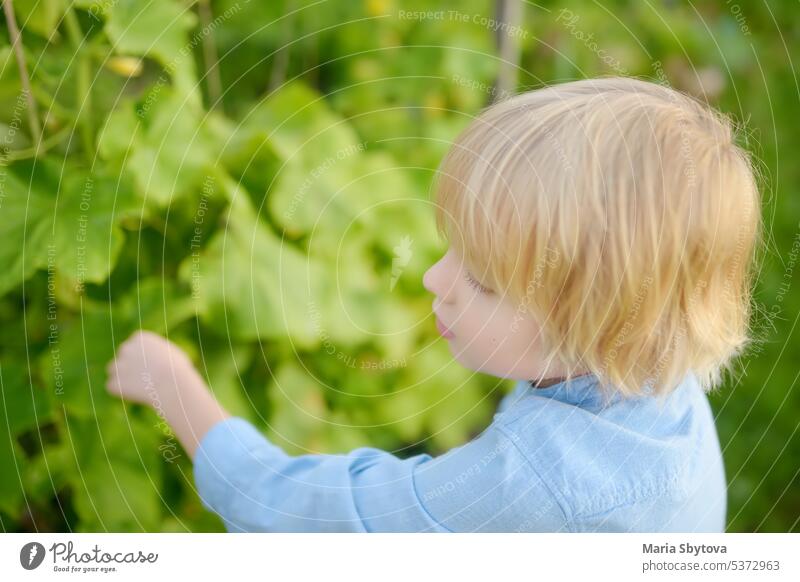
(477, 286)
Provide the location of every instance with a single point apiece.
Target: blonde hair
(621, 214)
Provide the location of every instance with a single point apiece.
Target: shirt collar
(580, 391)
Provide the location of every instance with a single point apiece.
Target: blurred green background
(252, 179)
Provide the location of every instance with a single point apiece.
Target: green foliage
(65, 219)
(257, 229)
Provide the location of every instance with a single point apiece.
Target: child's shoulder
(581, 402)
(599, 454)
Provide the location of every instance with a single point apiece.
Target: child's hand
(151, 370)
(145, 365)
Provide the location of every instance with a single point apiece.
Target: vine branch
(210, 58)
(83, 90)
(508, 12)
(16, 43)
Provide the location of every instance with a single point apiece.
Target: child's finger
(113, 386)
(130, 340)
(111, 369)
(113, 374)
(125, 347)
(135, 338)
(112, 382)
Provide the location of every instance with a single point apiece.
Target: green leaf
(250, 283)
(65, 219)
(49, 472)
(224, 366)
(119, 471)
(298, 410)
(73, 365)
(118, 134)
(316, 148)
(156, 304)
(166, 147)
(12, 102)
(156, 29)
(12, 461)
(96, 8)
(356, 300)
(339, 437)
(39, 16)
(159, 30)
(451, 399)
(24, 405)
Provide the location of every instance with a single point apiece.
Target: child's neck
(545, 383)
(549, 381)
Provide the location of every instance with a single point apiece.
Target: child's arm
(484, 485)
(152, 370)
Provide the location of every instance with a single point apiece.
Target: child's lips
(443, 330)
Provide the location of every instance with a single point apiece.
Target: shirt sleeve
(253, 485)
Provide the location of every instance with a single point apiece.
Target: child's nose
(435, 282)
(427, 279)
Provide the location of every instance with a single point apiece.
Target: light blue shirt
(553, 459)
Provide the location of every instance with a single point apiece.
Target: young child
(602, 236)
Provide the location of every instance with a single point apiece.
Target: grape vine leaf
(250, 284)
(64, 219)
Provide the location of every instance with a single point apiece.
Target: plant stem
(16, 42)
(281, 60)
(41, 147)
(83, 93)
(508, 12)
(210, 58)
